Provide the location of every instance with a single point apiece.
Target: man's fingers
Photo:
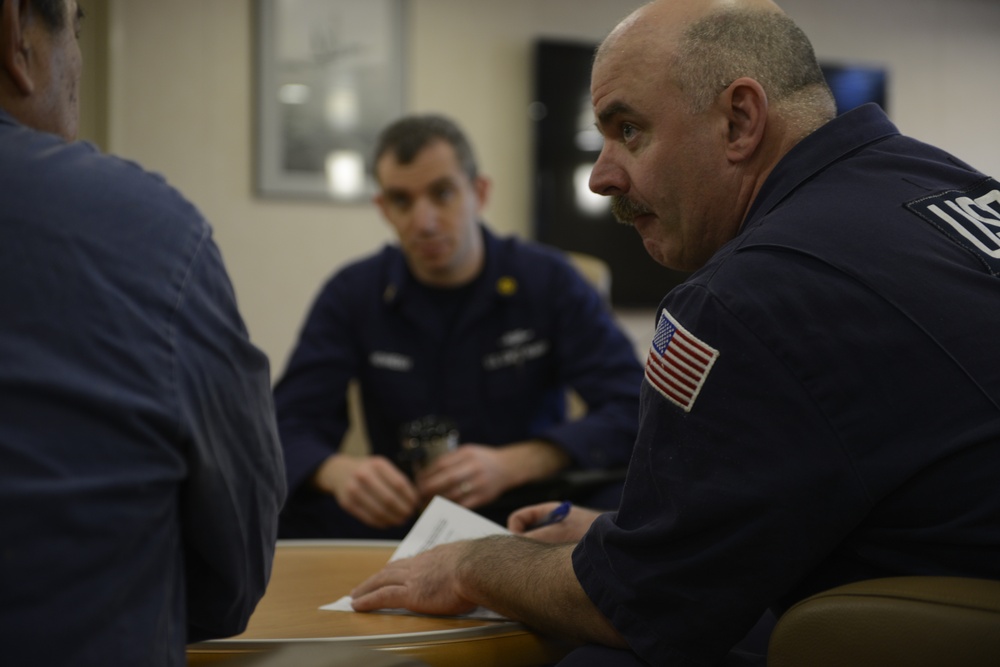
(380, 495)
(387, 576)
(388, 597)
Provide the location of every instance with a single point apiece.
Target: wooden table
(309, 574)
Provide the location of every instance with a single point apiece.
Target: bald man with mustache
(820, 403)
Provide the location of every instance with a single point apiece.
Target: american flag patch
(678, 362)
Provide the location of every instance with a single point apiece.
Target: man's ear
(481, 186)
(379, 200)
(745, 104)
(14, 48)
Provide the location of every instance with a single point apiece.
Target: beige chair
(595, 270)
(906, 621)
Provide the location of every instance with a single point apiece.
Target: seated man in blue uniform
(140, 470)
(455, 323)
(822, 396)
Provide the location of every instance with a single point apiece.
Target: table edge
(499, 629)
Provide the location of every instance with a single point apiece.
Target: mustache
(625, 210)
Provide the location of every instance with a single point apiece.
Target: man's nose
(425, 214)
(608, 178)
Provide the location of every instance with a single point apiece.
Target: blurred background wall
(171, 85)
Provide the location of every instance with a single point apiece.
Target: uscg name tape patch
(970, 218)
(678, 362)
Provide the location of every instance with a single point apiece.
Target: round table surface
(309, 574)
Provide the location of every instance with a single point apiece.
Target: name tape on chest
(517, 347)
(970, 218)
(391, 361)
(678, 362)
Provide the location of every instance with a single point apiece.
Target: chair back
(912, 621)
(594, 270)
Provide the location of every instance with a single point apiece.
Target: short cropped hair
(764, 45)
(53, 12)
(409, 135)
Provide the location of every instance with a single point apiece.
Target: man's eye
(399, 201)
(443, 195)
(628, 131)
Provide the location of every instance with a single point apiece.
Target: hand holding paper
(423, 584)
(443, 522)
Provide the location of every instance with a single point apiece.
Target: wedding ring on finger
(465, 488)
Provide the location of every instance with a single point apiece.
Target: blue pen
(555, 516)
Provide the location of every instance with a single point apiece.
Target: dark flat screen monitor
(566, 145)
(854, 85)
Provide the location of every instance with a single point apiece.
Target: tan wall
(179, 82)
(94, 83)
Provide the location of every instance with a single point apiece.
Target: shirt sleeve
(311, 397)
(727, 505)
(598, 361)
(235, 482)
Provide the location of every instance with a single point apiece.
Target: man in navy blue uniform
(822, 396)
(140, 471)
(457, 323)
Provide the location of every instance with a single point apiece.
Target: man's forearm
(534, 583)
(532, 460)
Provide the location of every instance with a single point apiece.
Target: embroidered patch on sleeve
(678, 362)
(971, 218)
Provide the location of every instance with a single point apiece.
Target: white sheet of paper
(442, 521)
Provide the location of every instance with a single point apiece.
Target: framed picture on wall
(329, 76)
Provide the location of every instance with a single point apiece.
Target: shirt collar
(830, 143)
(398, 278)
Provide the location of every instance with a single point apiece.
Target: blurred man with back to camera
(140, 470)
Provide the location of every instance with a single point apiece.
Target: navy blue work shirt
(499, 366)
(140, 471)
(821, 403)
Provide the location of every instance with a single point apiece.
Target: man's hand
(370, 488)
(426, 584)
(474, 475)
(570, 529)
(523, 579)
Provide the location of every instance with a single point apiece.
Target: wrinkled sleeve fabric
(311, 398)
(596, 359)
(235, 485)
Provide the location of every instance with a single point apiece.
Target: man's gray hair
(764, 45)
(53, 12)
